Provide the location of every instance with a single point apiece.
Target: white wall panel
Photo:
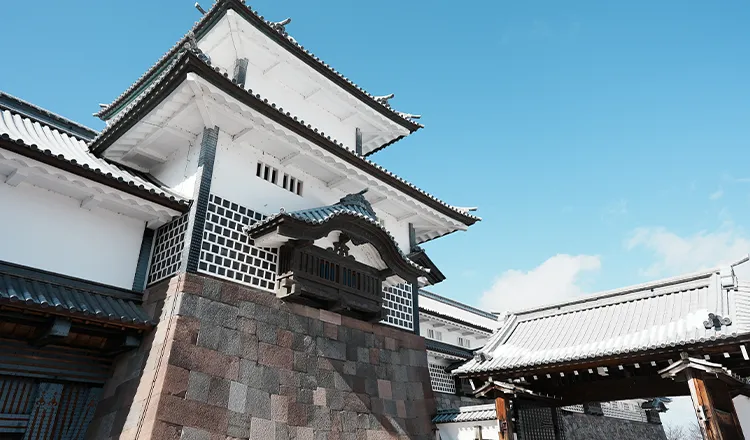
(45, 230)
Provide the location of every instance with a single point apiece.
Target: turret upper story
(262, 56)
(270, 154)
(193, 168)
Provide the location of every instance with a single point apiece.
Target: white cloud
(675, 254)
(716, 195)
(556, 279)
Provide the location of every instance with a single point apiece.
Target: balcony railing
(313, 275)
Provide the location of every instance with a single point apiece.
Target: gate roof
(703, 307)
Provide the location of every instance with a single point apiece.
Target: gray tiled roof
(66, 146)
(447, 317)
(457, 304)
(442, 347)
(667, 313)
(474, 413)
(57, 294)
(278, 34)
(353, 205)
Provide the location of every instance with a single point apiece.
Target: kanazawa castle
(223, 259)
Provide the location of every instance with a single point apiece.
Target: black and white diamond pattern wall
(227, 252)
(170, 241)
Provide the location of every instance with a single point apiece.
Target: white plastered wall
(451, 334)
(742, 406)
(49, 231)
(464, 315)
(179, 171)
(234, 178)
(466, 430)
(271, 71)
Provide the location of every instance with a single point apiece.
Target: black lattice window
(397, 302)
(536, 422)
(441, 381)
(170, 241)
(227, 252)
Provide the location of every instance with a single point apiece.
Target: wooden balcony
(318, 277)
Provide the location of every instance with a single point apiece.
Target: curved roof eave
(170, 78)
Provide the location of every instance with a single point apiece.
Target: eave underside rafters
(621, 377)
(16, 168)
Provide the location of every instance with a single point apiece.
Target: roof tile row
(657, 316)
(38, 137)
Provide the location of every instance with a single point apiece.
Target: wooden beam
(701, 405)
(714, 408)
(604, 389)
(504, 418)
(58, 329)
(120, 345)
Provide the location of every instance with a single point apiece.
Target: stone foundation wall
(578, 426)
(229, 362)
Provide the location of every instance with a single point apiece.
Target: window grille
(284, 180)
(441, 381)
(463, 342)
(397, 303)
(434, 334)
(536, 422)
(168, 247)
(624, 410)
(227, 252)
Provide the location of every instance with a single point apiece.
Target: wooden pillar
(714, 408)
(504, 418)
(556, 425)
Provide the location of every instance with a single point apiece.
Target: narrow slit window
(273, 175)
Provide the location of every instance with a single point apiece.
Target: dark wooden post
(556, 425)
(714, 408)
(504, 418)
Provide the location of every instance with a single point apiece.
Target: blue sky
(606, 143)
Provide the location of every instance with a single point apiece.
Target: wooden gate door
(36, 410)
